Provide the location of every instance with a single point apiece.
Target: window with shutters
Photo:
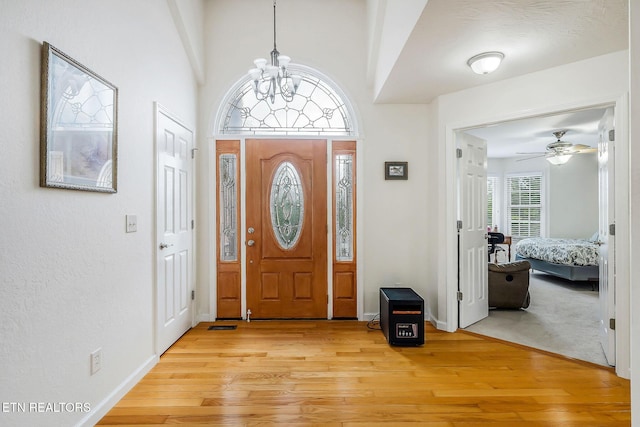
(524, 205)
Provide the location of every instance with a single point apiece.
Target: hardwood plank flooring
(341, 373)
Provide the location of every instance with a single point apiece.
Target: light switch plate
(132, 223)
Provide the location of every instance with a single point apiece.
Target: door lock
(251, 242)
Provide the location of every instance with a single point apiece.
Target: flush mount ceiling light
(485, 63)
(269, 79)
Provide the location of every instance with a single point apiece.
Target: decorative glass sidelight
(287, 205)
(228, 208)
(344, 207)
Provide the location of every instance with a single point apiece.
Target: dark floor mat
(222, 327)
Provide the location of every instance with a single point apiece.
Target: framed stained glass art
(78, 126)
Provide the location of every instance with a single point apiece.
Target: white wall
(570, 207)
(585, 83)
(573, 198)
(396, 214)
(71, 279)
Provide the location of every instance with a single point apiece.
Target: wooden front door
(286, 236)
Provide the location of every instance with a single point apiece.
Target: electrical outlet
(96, 361)
(132, 223)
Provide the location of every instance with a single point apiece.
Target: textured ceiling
(533, 134)
(533, 35)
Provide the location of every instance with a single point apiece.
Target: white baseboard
(205, 317)
(101, 409)
(441, 326)
(370, 316)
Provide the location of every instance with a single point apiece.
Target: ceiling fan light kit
(486, 62)
(559, 159)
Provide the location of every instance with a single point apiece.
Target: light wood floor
(341, 373)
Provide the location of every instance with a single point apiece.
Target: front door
(472, 205)
(286, 235)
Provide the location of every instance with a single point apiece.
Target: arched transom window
(316, 109)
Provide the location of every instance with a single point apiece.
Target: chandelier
(267, 78)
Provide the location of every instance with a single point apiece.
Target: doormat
(222, 327)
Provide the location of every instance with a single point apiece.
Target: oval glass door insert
(286, 205)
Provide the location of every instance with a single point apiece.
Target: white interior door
(174, 144)
(472, 208)
(606, 193)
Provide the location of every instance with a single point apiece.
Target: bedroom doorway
(602, 187)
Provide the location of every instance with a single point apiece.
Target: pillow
(594, 238)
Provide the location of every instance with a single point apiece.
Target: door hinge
(612, 324)
(612, 229)
(459, 224)
(612, 135)
(193, 152)
(193, 295)
(193, 224)
(460, 296)
(459, 153)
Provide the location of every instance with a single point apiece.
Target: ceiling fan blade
(587, 150)
(579, 149)
(532, 157)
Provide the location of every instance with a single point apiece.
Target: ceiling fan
(559, 152)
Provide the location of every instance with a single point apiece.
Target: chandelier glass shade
(274, 78)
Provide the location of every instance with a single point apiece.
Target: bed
(571, 259)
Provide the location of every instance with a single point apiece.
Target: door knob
(164, 245)
(251, 242)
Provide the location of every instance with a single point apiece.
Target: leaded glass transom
(316, 109)
(287, 205)
(228, 208)
(344, 207)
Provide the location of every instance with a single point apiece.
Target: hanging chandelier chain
(274, 25)
(269, 79)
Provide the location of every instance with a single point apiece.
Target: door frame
(212, 208)
(449, 283)
(157, 110)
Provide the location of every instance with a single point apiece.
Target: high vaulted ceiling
(427, 56)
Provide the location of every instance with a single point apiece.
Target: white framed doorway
(621, 314)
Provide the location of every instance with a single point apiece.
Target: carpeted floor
(562, 318)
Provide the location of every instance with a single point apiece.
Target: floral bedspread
(559, 251)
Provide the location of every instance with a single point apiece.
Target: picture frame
(396, 170)
(78, 126)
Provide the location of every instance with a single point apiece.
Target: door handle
(251, 242)
(164, 245)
